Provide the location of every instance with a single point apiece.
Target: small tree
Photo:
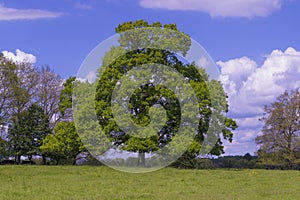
(280, 140)
(64, 144)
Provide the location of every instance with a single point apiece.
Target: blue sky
(255, 43)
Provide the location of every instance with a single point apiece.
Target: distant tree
(248, 156)
(279, 143)
(243, 162)
(48, 94)
(64, 144)
(27, 131)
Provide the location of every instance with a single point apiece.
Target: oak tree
(133, 52)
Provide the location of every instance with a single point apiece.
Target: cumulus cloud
(7, 14)
(234, 72)
(20, 56)
(250, 87)
(219, 8)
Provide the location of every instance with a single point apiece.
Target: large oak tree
(132, 53)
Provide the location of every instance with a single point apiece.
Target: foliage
(28, 105)
(65, 143)
(23, 88)
(27, 131)
(7, 74)
(280, 140)
(18, 83)
(65, 98)
(86, 122)
(3, 149)
(132, 53)
(240, 162)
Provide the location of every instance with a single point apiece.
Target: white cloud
(83, 6)
(219, 8)
(20, 56)
(7, 14)
(234, 72)
(250, 87)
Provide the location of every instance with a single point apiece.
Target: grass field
(86, 182)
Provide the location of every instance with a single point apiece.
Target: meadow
(90, 182)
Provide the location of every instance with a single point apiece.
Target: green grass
(86, 182)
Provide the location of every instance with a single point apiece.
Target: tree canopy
(132, 53)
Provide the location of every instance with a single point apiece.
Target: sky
(255, 44)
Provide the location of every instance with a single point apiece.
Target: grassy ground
(84, 182)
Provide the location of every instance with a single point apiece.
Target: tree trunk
(57, 161)
(18, 159)
(141, 159)
(44, 159)
(290, 152)
(74, 161)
